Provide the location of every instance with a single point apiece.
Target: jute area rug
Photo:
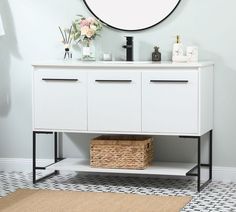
(26, 200)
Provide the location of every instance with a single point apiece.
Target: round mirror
(131, 15)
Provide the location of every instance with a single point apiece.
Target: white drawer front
(170, 101)
(114, 101)
(60, 99)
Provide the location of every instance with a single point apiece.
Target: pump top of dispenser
(177, 39)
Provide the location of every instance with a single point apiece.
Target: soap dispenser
(178, 49)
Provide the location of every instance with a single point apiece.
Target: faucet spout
(129, 48)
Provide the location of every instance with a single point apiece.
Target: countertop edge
(135, 64)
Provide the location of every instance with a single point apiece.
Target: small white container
(107, 57)
(192, 53)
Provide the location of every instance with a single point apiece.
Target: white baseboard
(225, 174)
(21, 164)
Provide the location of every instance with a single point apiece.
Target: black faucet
(129, 48)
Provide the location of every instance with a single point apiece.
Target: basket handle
(148, 146)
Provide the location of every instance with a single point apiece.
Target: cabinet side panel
(32, 98)
(206, 99)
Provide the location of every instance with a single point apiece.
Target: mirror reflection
(131, 15)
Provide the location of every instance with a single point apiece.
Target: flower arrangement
(85, 29)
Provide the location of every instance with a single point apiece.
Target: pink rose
(91, 20)
(84, 22)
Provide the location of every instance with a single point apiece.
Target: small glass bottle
(156, 55)
(67, 54)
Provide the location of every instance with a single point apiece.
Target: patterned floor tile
(217, 196)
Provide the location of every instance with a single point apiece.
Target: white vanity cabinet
(140, 98)
(114, 101)
(59, 99)
(129, 97)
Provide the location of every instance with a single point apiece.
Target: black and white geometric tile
(217, 196)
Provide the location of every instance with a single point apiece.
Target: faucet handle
(129, 38)
(127, 46)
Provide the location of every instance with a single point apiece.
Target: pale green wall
(31, 27)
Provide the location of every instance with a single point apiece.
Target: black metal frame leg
(199, 164)
(56, 159)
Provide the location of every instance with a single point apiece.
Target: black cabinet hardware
(114, 81)
(169, 81)
(59, 79)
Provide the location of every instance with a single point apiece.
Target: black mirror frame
(132, 30)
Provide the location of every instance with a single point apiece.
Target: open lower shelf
(157, 168)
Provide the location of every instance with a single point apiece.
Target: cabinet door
(114, 101)
(170, 101)
(60, 99)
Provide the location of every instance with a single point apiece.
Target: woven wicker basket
(127, 152)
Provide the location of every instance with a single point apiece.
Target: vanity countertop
(134, 64)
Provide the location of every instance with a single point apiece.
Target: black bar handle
(122, 81)
(59, 79)
(170, 81)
